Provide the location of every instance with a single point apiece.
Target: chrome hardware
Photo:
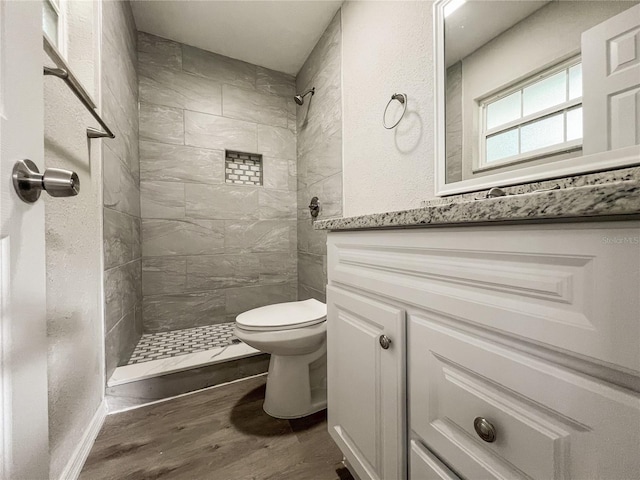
(63, 72)
(314, 207)
(29, 182)
(400, 97)
(484, 429)
(385, 342)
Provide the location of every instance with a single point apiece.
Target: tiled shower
(199, 246)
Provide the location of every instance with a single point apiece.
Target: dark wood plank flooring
(218, 434)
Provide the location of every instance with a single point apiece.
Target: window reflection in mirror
(534, 83)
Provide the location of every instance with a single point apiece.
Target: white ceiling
(275, 34)
(476, 22)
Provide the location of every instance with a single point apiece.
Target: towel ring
(402, 98)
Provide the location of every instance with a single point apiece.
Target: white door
(611, 80)
(23, 389)
(366, 384)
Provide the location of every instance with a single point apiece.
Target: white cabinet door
(367, 412)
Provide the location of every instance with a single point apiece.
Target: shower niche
(243, 168)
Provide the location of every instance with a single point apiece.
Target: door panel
(611, 77)
(366, 385)
(23, 347)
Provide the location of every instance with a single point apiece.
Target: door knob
(29, 182)
(385, 342)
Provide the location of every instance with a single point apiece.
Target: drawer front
(550, 423)
(575, 288)
(424, 465)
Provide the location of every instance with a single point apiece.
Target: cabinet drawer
(575, 288)
(550, 422)
(424, 465)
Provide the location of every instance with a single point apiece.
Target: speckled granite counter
(612, 195)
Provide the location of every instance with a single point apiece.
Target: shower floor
(156, 346)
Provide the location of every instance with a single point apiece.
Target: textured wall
(73, 248)
(210, 249)
(387, 47)
(319, 123)
(122, 252)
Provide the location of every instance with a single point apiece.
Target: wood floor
(218, 434)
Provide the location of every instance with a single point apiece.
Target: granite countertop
(614, 195)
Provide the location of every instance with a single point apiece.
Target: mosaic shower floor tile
(154, 346)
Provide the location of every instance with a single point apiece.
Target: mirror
(535, 89)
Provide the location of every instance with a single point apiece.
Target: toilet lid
(284, 316)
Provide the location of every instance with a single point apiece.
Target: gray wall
(319, 156)
(122, 252)
(73, 248)
(212, 250)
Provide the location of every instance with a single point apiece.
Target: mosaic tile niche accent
(154, 346)
(243, 168)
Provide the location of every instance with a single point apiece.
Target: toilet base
(296, 384)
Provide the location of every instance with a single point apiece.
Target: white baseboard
(80, 454)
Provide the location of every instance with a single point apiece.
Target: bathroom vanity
(489, 337)
(499, 351)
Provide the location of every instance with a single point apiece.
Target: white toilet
(295, 334)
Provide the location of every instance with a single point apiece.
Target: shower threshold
(172, 363)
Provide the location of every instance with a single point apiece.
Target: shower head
(300, 98)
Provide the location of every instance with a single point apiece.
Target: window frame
(562, 108)
(60, 42)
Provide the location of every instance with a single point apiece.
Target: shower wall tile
(174, 312)
(120, 190)
(177, 89)
(121, 238)
(312, 271)
(180, 163)
(258, 237)
(277, 204)
(222, 271)
(158, 51)
(162, 199)
(217, 67)
(120, 342)
(319, 157)
(278, 268)
(292, 123)
(161, 124)
(123, 290)
(161, 275)
(241, 299)
(122, 117)
(182, 237)
(223, 201)
(305, 292)
(254, 106)
(277, 83)
(276, 142)
(279, 174)
(209, 131)
(212, 249)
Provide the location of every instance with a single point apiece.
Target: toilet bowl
(295, 334)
